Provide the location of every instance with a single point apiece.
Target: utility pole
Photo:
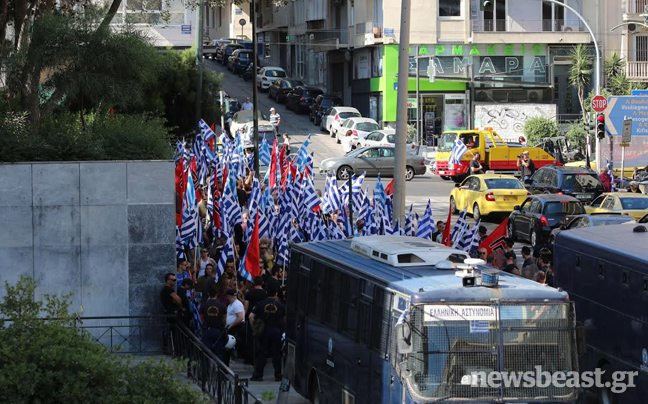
(255, 94)
(199, 61)
(401, 113)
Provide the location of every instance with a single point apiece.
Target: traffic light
(590, 127)
(600, 126)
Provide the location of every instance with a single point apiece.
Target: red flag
(495, 240)
(180, 186)
(253, 255)
(210, 142)
(445, 239)
(282, 164)
(216, 212)
(273, 166)
(390, 188)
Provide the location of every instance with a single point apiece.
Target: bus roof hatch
(404, 251)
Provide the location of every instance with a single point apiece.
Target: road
(418, 191)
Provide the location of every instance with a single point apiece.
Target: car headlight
(326, 164)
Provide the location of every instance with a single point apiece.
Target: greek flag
(611, 174)
(458, 226)
(180, 253)
(189, 230)
(302, 155)
(379, 193)
(206, 131)
(458, 151)
(459, 241)
(408, 227)
(309, 198)
(426, 225)
(264, 153)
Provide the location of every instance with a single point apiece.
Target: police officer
(273, 313)
(212, 313)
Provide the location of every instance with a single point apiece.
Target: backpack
(258, 328)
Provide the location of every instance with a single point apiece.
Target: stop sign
(599, 103)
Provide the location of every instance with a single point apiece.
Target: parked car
(239, 61)
(300, 98)
(226, 51)
(541, 214)
(240, 118)
(209, 51)
(591, 220)
(485, 194)
(267, 75)
(321, 104)
(336, 116)
(384, 137)
(634, 205)
(373, 161)
(579, 182)
(228, 109)
(266, 131)
(359, 127)
(281, 87)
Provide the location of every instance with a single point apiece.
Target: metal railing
(537, 25)
(637, 6)
(152, 335)
(637, 70)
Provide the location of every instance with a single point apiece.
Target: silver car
(373, 161)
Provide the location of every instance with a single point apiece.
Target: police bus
(392, 319)
(605, 271)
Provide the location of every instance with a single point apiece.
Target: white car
(267, 131)
(335, 117)
(267, 76)
(383, 137)
(359, 127)
(240, 118)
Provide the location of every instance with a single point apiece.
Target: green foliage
(576, 135)
(268, 395)
(411, 133)
(49, 360)
(580, 72)
(61, 138)
(540, 127)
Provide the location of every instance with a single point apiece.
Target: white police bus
(389, 319)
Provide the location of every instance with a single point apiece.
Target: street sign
(639, 92)
(633, 107)
(242, 21)
(626, 135)
(599, 103)
(396, 86)
(185, 29)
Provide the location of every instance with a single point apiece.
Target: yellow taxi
(484, 194)
(629, 203)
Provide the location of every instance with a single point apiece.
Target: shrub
(540, 127)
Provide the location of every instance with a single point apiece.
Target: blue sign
(639, 92)
(388, 32)
(395, 86)
(186, 29)
(631, 107)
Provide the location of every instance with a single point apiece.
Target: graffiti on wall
(508, 119)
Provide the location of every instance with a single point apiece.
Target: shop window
(449, 8)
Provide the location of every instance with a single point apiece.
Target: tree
(540, 127)
(580, 72)
(50, 360)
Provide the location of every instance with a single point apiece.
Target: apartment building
(494, 62)
(630, 40)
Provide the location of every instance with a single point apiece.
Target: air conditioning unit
(632, 27)
(570, 28)
(534, 95)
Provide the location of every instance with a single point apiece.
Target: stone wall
(101, 230)
(508, 119)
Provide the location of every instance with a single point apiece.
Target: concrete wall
(508, 119)
(101, 230)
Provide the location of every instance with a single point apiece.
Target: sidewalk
(267, 385)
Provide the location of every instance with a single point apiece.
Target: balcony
(369, 33)
(637, 71)
(517, 25)
(536, 31)
(636, 7)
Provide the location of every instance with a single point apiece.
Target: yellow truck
(495, 154)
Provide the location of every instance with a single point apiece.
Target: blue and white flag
(426, 225)
(190, 218)
(460, 240)
(302, 155)
(458, 226)
(265, 154)
(180, 253)
(611, 174)
(459, 149)
(227, 253)
(207, 133)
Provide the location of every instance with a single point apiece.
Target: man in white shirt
(234, 322)
(247, 105)
(275, 118)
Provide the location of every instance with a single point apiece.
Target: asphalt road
(418, 191)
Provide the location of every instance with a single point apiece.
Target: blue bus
(605, 271)
(390, 319)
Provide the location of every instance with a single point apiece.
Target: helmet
(231, 342)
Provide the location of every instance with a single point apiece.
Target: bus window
(348, 306)
(315, 298)
(332, 303)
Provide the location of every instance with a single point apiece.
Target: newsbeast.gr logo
(618, 382)
(644, 359)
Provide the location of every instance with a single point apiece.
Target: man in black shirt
(273, 313)
(509, 266)
(526, 165)
(213, 314)
(170, 299)
(252, 297)
(475, 165)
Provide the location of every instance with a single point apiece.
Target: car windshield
(582, 182)
(246, 116)
(634, 203)
(446, 141)
(367, 126)
(275, 73)
(348, 114)
(598, 221)
(243, 55)
(503, 183)
(293, 83)
(392, 139)
(563, 208)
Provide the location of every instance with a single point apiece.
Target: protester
(235, 319)
(475, 165)
(522, 141)
(634, 187)
(347, 144)
(272, 312)
(213, 314)
(606, 180)
(275, 118)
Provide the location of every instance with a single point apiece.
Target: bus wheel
(314, 395)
